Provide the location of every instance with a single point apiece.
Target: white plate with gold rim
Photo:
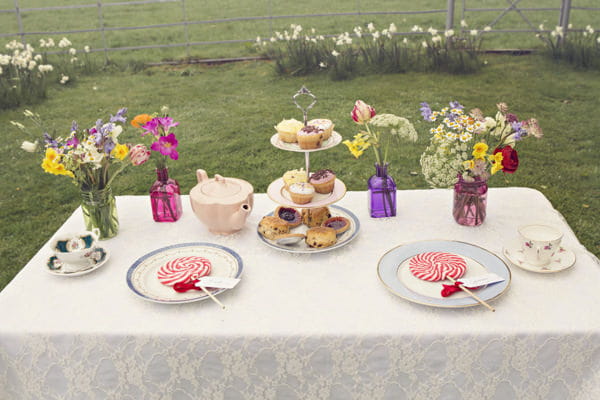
(142, 275)
(279, 194)
(301, 247)
(333, 141)
(395, 275)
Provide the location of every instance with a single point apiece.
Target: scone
(287, 130)
(294, 176)
(271, 227)
(310, 137)
(324, 124)
(290, 215)
(323, 180)
(301, 193)
(340, 224)
(321, 236)
(315, 216)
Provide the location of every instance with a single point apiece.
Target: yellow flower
(51, 154)
(469, 164)
(120, 151)
(497, 162)
(479, 150)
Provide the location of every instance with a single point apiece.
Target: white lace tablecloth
(318, 326)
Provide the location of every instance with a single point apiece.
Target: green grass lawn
(227, 115)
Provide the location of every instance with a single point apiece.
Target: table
(317, 326)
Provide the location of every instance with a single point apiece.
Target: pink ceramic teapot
(222, 204)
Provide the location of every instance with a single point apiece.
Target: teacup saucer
(563, 259)
(98, 258)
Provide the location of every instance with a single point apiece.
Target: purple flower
(456, 104)
(151, 127)
(73, 141)
(74, 126)
(166, 145)
(50, 142)
(425, 111)
(109, 145)
(120, 116)
(167, 123)
(510, 117)
(519, 131)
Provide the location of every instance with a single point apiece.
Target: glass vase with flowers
(459, 153)
(165, 193)
(379, 131)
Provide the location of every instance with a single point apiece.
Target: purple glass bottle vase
(470, 201)
(165, 197)
(382, 193)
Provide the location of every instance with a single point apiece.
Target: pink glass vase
(165, 197)
(470, 201)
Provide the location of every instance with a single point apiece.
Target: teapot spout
(201, 175)
(239, 217)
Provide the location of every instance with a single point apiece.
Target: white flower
(42, 43)
(371, 27)
(473, 32)
(64, 79)
(273, 40)
(321, 37)
(64, 42)
(31, 65)
(72, 51)
(432, 31)
(449, 33)
(29, 146)
(376, 35)
(416, 28)
(487, 29)
(117, 130)
(590, 29)
(86, 49)
(50, 42)
(570, 26)
(598, 39)
(335, 53)
(541, 27)
(312, 30)
(38, 57)
(5, 59)
(94, 87)
(18, 125)
(393, 28)
(164, 109)
(436, 39)
(463, 23)
(424, 44)
(405, 40)
(73, 60)
(258, 39)
(28, 113)
(322, 65)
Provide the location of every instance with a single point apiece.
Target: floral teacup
(75, 248)
(539, 243)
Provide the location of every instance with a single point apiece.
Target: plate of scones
(308, 230)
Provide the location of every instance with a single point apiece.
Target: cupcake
(310, 137)
(294, 176)
(323, 180)
(324, 124)
(287, 130)
(320, 237)
(301, 193)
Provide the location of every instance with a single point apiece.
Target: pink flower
(362, 112)
(139, 154)
(166, 145)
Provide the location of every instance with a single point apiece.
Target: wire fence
(512, 8)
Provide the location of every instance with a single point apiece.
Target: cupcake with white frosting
(301, 193)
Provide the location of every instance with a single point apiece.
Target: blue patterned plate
(142, 275)
(394, 273)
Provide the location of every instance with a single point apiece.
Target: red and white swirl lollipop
(436, 266)
(183, 269)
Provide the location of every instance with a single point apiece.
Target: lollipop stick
(213, 298)
(473, 295)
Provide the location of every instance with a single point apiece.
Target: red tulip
(362, 112)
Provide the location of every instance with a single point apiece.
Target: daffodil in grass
(479, 150)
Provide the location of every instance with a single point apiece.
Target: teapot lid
(220, 187)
